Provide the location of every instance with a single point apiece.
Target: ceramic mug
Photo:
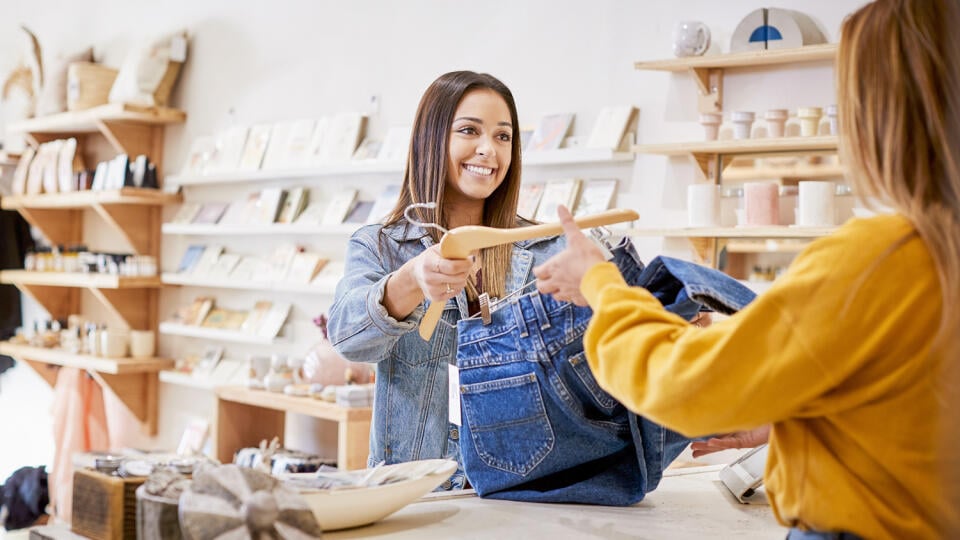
(142, 343)
(690, 38)
(703, 205)
(113, 343)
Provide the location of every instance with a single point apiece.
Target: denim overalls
(537, 426)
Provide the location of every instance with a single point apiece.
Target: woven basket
(88, 85)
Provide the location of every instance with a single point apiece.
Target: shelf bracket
(135, 139)
(138, 392)
(710, 84)
(58, 301)
(139, 225)
(137, 308)
(705, 250)
(47, 372)
(59, 226)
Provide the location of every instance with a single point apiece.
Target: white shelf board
(172, 278)
(566, 156)
(187, 229)
(187, 379)
(370, 166)
(234, 336)
(732, 232)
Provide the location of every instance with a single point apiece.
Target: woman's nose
(485, 148)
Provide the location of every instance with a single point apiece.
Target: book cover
(313, 214)
(256, 315)
(343, 134)
(186, 213)
(250, 268)
(329, 275)
(224, 265)
(595, 196)
(195, 312)
(339, 206)
(273, 321)
(359, 213)
(298, 144)
(550, 132)
(317, 140)
(276, 155)
(207, 259)
(255, 147)
(212, 354)
(210, 213)
(610, 127)
(281, 259)
(368, 149)
(269, 204)
(194, 437)
(304, 267)
(241, 212)
(224, 319)
(396, 144)
(201, 149)
(229, 149)
(293, 204)
(529, 200)
(190, 258)
(384, 204)
(557, 192)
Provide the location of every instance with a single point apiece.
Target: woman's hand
(740, 439)
(560, 276)
(440, 279)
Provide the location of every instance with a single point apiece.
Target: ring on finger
(449, 290)
(436, 266)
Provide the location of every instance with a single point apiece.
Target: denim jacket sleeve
(360, 328)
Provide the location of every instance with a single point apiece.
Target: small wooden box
(104, 506)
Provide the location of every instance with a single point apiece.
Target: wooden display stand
(245, 417)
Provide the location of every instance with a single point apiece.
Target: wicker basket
(88, 85)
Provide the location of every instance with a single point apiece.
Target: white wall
(252, 61)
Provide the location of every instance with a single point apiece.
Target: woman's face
(480, 144)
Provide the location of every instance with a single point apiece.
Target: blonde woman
(847, 355)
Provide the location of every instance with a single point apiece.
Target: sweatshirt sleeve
(694, 380)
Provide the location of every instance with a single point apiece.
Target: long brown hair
(898, 107)
(425, 178)
(898, 76)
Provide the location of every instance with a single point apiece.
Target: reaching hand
(560, 276)
(440, 279)
(740, 439)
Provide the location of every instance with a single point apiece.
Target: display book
(289, 264)
(613, 123)
(539, 201)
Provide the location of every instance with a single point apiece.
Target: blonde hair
(898, 106)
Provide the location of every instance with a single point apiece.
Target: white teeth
(478, 170)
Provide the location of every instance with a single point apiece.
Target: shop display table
(245, 417)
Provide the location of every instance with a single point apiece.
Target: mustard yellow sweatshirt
(836, 355)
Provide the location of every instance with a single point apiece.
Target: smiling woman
(465, 158)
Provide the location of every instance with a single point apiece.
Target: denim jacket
(410, 417)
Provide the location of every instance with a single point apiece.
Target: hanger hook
(428, 206)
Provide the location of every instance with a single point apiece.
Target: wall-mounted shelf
(800, 172)
(191, 229)
(767, 246)
(245, 417)
(226, 283)
(216, 334)
(732, 232)
(572, 156)
(90, 199)
(89, 120)
(66, 279)
(133, 380)
(367, 166)
(708, 70)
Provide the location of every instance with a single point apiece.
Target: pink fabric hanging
(79, 425)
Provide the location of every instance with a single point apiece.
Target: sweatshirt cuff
(599, 277)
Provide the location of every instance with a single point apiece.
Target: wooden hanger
(462, 241)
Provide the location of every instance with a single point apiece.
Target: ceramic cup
(143, 343)
(776, 122)
(832, 118)
(690, 38)
(761, 204)
(742, 122)
(703, 205)
(113, 343)
(809, 120)
(816, 205)
(711, 125)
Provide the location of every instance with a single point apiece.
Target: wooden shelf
(733, 232)
(767, 246)
(370, 166)
(216, 334)
(90, 281)
(226, 283)
(90, 199)
(739, 147)
(571, 156)
(802, 172)
(810, 53)
(708, 71)
(245, 417)
(188, 229)
(90, 120)
(132, 380)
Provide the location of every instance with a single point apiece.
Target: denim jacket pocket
(508, 423)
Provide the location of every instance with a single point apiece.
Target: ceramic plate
(344, 507)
